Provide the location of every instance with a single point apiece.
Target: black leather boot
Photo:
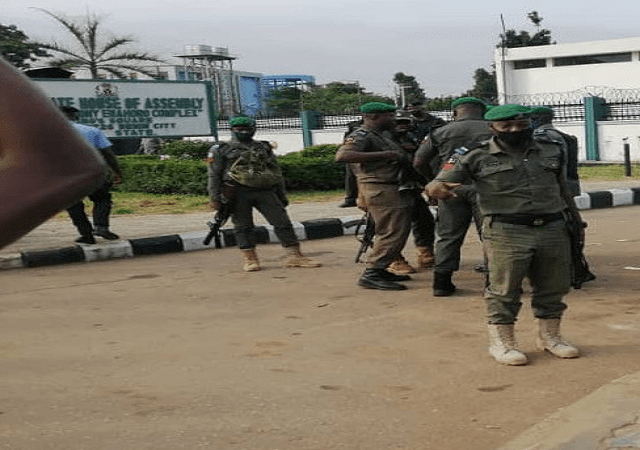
(378, 279)
(442, 285)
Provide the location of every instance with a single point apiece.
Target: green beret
(464, 100)
(241, 121)
(377, 107)
(506, 112)
(542, 111)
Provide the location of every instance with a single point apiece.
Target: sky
(440, 43)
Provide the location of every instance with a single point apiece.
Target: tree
(409, 89)
(334, 97)
(511, 38)
(284, 101)
(94, 54)
(486, 87)
(16, 48)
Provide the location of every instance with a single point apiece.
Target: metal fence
(615, 109)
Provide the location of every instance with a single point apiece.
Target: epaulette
(359, 133)
(541, 135)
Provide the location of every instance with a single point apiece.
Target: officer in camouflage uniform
(250, 170)
(454, 215)
(377, 161)
(523, 195)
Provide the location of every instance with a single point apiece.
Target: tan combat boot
(401, 267)
(295, 258)
(425, 259)
(549, 339)
(503, 346)
(251, 263)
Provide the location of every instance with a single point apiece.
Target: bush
(155, 176)
(313, 168)
(194, 150)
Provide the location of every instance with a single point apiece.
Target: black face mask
(517, 138)
(244, 136)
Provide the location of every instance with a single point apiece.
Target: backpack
(572, 155)
(256, 168)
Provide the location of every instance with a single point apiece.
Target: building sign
(138, 109)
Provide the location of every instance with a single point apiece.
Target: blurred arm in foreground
(45, 165)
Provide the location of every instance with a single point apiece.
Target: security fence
(567, 109)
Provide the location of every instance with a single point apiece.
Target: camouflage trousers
(516, 252)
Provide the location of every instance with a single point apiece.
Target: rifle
(221, 216)
(366, 237)
(580, 272)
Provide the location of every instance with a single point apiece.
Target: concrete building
(569, 71)
(566, 76)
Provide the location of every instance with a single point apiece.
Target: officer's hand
(215, 205)
(441, 190)
(116, 179)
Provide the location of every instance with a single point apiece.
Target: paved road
(186, 351)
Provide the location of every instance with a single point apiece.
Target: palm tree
(94, 55)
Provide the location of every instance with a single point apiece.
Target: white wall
(291, 140)
(611, 140)
(610, 136)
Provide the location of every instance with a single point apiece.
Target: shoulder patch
(355, 136)
(455, 156)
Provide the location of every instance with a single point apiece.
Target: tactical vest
(256, 167)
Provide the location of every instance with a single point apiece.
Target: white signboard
(138, 109)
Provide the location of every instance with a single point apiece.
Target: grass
(141, 203)
(608, 172)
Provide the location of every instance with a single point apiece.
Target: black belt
(527, 219)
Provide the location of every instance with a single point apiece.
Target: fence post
(627, 158)
(594, 110)
(311, 120)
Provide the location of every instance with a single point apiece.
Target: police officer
(542, 120)
(424, 123)
(350, 181)
(378, 160)
(422, 221)
(454, 215)
(249, 169)
(522, 192)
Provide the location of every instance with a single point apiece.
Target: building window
(529, 64)
(592, 59)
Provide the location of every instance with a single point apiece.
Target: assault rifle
(580, 272)
(220, 218)
(366, 236)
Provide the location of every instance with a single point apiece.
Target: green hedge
(313, 168)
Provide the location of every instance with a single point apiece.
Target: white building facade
(565, 74)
